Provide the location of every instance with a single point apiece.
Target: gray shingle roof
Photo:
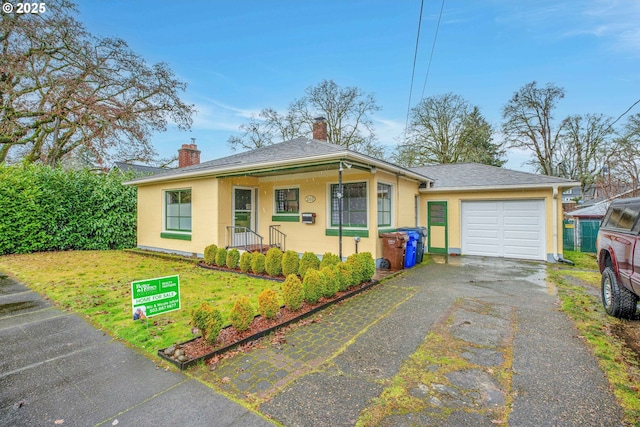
(475, 175)
(594, 211)
(138, 169)
(295, 152)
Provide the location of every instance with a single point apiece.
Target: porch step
(257, 248)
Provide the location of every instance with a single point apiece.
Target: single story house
(311, 195)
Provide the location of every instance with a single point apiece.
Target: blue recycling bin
(421, 238)
(411, 250)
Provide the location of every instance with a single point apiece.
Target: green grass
(97, 284)
(587, 313)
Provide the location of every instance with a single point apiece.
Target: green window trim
(285, 218)
(346, 233)
(176, 236)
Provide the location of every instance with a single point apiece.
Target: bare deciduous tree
(529, 123)
(347, 112)
(446, 129)
(63, 90)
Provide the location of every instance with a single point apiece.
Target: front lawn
(97, 284)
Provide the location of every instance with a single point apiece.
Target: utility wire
(623, 114)
(433, 47)
(413, 71)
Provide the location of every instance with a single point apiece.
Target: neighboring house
(288, 194)
(140, 170)
(581, 230)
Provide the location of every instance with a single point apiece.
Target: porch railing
(244, 238)
(277, 238)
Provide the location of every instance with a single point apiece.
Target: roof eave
(500, 187)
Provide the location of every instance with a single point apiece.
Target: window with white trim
(384, 205)
(354, 205)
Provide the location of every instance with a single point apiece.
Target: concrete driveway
(55, 366)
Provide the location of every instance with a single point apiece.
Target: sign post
(155, 296)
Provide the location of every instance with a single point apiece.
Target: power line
(433, 47)
(413, 71)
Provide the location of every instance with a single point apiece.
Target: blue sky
(240, 56)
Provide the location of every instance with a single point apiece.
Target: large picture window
(178, 210)
(354, 205)
(287, 201)
(384, 205)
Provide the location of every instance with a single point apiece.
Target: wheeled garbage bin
(393, 247)
(412, 246)
(421, 242)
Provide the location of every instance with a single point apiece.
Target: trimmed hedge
(290, 263)
(292, 292)
(233, 257)
(312, 284)
(273, 262)
(210, 254)
(245, 262)
(268, 304)
(241, 314)
(208, 320)
(257, 263)
(221, 257)
(46, 209)
(308, 261)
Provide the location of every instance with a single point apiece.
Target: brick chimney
(189, 154)
(320, 129)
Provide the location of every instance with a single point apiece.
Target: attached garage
(492, 211)
(504, 228)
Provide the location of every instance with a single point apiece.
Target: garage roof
(465, 176)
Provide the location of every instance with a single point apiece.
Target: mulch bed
(230, 341)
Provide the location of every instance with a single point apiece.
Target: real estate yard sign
(155, 296)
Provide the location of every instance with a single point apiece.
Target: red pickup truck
(619, 258)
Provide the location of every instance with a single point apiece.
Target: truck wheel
(618, 301)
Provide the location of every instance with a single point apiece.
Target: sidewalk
(56, 369)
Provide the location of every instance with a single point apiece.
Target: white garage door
(504, 228)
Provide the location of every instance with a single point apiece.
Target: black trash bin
(421, 243)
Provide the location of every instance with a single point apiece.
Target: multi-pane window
(287, 200)
(354, 205)
(384, 205)
(178, 210)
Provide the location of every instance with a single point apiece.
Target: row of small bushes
(317, 281)
(275, 263)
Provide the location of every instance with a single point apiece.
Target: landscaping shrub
(312, 286)
(308, 261)
(257, 263)
(245, 262)
(233, 257)
(221, 257)
(330, 281)
(346, 276)
(292, 292)
(46, 209)
(268, 304)
(290, 263)
(241, 314)
(273, 262)
(210, 254)
(208, 320)
(364, 267)
(329, 259)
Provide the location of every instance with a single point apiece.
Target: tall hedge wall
(45, 209)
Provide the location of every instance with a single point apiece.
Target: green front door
(437, 227)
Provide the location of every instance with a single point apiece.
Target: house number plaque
(310, 199)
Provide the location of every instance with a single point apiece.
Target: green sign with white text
(151, 297)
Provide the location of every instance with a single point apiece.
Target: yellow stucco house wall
(464, 207)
